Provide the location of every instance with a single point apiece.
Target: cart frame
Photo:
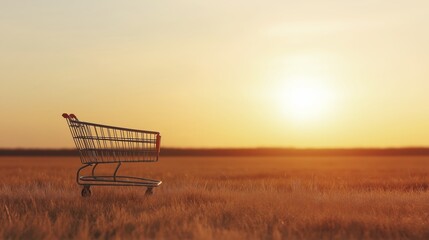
(103, 144)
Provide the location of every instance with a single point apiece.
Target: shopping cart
(102, 144)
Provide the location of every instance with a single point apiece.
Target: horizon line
(255, 151)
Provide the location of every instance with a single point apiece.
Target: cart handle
(71, 115)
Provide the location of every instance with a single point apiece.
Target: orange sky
(220, 74)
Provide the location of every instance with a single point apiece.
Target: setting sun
(307, 101)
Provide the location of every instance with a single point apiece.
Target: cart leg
(149, 191)
(86, 192)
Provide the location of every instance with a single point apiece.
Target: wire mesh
(98, 143)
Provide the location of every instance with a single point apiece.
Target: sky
(217, 73)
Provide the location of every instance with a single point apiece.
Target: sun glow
(307, 101)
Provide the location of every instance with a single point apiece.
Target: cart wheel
(85, 191)
(149, 191)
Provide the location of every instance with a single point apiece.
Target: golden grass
(221, 198)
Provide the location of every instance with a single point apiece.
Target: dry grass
(221, 198)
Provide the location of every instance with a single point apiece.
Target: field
(221, 198)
